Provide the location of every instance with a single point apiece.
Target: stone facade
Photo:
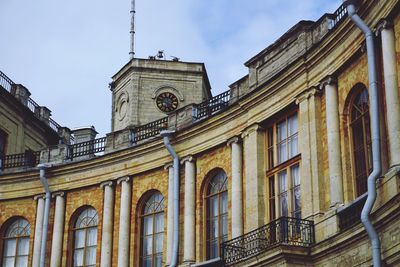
(310, 73)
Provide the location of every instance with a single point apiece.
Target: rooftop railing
(338, 16)
(283, 231)
(211, 106)
(86, 148)
(27, 159)
(148, 130)
(5, 82)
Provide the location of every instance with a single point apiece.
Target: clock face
(167, 102)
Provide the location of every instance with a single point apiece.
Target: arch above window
(16, 244)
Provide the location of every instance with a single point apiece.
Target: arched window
(16, 244)
(85, 238)
(216, 200)
(361, 137)
(152, 231)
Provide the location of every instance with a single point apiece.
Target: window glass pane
(146, 262)
(91, 237)
(9, 247)
(224, 225)
(282, 152)
(147, 245)
(224, 203)
(284, 204)
(8, 262)
(159, 222)
(213, 249)
(158, 243)
(282, 181)
(90, 256)
(23, 246)
(281, 131)
(213, 229)
(295, 171)
(213, 206)
(148, 225)
(158, 260)
(78, 257)
(79, 238)
(293, 148)
(292, 125)
(296, 198)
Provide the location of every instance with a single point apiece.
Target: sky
(65, 52)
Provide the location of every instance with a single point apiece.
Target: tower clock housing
(145, 90)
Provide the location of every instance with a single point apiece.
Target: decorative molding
(189, 158)
(253, 128)
(106, 183)
(58, 194)
(235, 139)
(42, 196)
(123, 179)
(168, 165)
(328, 80)
(383, 24)
(305, 95)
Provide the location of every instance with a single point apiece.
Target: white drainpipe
(174, 259)
(375, 133)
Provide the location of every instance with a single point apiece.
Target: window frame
(274, 167)
(17, 238)
(366, 146)
(71, 234)
(206, 198)
(141, 217)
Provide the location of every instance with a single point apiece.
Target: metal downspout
(375, 133)
(174, 259)
(42, 175)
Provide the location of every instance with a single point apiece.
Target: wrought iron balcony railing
(5, 82)
(211, 106)
(351, 215)
(86, 148)
(282, 231)
(148, 130)
(22, 160)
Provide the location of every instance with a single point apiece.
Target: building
(272, 172)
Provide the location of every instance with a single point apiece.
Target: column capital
(123, 179)
(328, 80)
(43, 196)
(106, 183)
(189, 158)
(252, 128)
(58, 194)
(235, 139)
(312, 91)
(168, 165)
(383, 24)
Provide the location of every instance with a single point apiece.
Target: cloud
(66, 52)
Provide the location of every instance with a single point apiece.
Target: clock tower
(145, 90)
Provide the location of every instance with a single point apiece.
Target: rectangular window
(283, 165)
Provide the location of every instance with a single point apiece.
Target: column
(255, 202)
(237, 186)
(58, 230)
(312, 186)
(170, 218)
(391, 90)
(38, 230)
(334, 155)
(189, 212)
(108, 223)
(124, 222)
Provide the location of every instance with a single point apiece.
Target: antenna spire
(132, 31)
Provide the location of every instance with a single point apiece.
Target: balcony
(283, 231)
(28, 159)
(350, 215)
